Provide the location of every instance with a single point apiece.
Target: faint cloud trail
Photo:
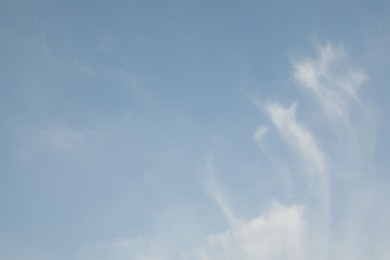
(214, 189)
(297, 136)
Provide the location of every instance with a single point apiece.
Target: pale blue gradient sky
(128, 129)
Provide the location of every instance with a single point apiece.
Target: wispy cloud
(312, 226)
(260, 132)
(297, 136)
(330, 79)
(277, 234)
(335, 85)
(216, 193)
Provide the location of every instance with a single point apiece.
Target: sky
(156, 130)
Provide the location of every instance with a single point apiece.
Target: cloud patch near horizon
(277, 234)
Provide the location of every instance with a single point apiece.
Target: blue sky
(194, 130)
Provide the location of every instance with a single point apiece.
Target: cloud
(108, 42)
(56, 139)
(277, 234)
(347, 133)
(335, 83)
(311, 226)
(260, 133)
(297, 136)
(216, 192)
(330, 79)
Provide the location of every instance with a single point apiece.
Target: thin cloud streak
(297, 136)
(215, 191)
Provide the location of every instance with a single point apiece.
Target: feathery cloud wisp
(330, 80)
(297, 136)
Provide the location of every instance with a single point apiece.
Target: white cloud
(216, 192)
(297, 136)
(330, 80)
(278, 234)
